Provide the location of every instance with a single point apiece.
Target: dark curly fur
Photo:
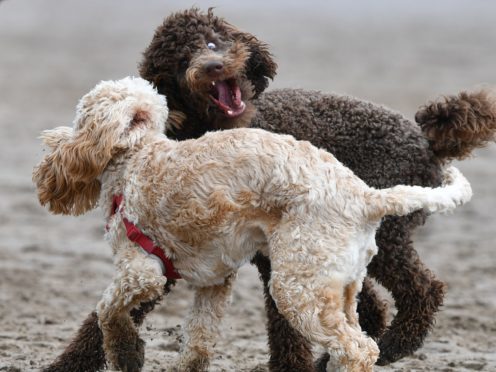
(81, 355)
(380, 146)
(457, 124)
(85, 352)
(173, 50)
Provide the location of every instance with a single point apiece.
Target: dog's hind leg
(139, 279)
(417, 293)
(372, 310)
(202, 327)
(289, 350)
(315, 299)
(319, 310)
(372, 315)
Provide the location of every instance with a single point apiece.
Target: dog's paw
(129, 356)
(191, 363)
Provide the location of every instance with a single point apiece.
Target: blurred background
(398, 53)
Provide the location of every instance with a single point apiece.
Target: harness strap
(134, 234)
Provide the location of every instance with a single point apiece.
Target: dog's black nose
(213, 68)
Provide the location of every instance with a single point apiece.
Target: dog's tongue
(229, 98)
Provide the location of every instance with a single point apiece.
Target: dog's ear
(260, 66)
(66, 178)
(54, 137)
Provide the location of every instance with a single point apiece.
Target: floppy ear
(53, 138)
(66, 179)
(260, 66)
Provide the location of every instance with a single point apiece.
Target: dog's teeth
(229, 112)
(213, 83)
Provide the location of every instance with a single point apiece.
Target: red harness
(134, 234)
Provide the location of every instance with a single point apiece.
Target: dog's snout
(214, 68)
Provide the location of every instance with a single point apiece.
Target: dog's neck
(114, 178)
(183, 125)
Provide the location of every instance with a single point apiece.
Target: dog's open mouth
(226, 95)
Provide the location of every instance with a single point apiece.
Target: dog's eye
(211, 46)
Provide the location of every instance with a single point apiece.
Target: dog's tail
(458, 124)
(402, 200)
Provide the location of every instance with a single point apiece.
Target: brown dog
(380, 146)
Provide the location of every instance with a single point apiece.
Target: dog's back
(202, 184)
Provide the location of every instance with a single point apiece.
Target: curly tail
(459, 124)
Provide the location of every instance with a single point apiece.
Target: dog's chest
(209, 245)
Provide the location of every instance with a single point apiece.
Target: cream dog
(210, 204)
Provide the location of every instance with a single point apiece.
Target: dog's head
(206, 66)
(110, 119)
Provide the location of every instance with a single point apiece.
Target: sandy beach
(53, 269)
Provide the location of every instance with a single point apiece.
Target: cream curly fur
(211, 204)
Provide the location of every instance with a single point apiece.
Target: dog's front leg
(139, 279)
(202, 326)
